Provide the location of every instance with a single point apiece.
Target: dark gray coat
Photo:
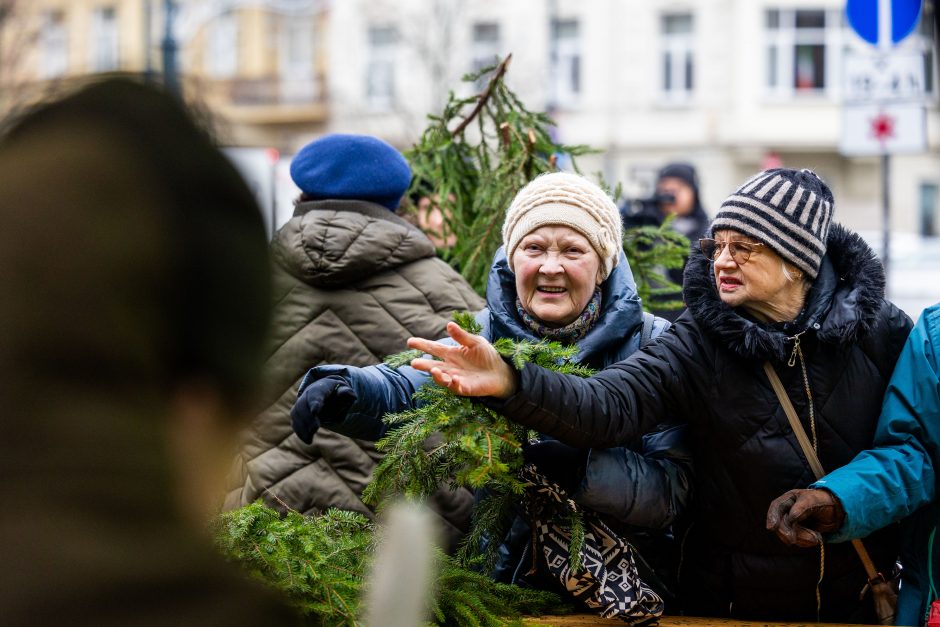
(352, 281)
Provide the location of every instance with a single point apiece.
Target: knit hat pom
(566, 199)
(789, 210)
(351, 167)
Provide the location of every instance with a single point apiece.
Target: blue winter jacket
(647, 490)
(897, 478)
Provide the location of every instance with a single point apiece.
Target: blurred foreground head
(134, 302)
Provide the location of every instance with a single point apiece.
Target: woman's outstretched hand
(472, 368)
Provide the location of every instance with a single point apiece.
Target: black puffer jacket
(708, 368)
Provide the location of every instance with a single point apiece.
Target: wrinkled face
(755, 283)
(557, 270)
(684, 194)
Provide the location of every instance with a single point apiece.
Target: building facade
(732, 86)
(257, 66)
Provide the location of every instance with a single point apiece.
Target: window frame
(786, 37)
(677, 52)
(381, 57)
(566, 76)
(54, 44)
(105, 36)
(223, 46)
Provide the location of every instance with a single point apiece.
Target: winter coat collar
(842, 305)
(620, 315)
(334, 242)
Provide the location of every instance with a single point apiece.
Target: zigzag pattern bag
(608, 581)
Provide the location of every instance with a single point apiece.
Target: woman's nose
(551, 265)
(724, 259)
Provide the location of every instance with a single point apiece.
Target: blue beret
(356, 167)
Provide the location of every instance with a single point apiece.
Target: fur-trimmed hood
(842, 306)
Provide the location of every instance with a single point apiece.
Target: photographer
(677, 194)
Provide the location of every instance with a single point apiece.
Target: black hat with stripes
(789, 210)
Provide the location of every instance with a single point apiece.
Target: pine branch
(652, 250)
(485, 96)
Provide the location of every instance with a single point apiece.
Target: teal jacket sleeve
(898, 475)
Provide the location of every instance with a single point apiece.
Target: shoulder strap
(647, 333)
(795, 423)
(812, 458)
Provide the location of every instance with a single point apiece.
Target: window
(485, 48)
(929, 222)
(53, 42)
(223, 45)
(104, 40)
(380, 73)
(802, 49)
(566, 64)
(296, 59)
(678, 65)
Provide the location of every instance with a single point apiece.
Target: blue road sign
(863, 18)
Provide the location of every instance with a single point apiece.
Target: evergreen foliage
(318, 563)
(480, 151)
(473, 158)
(650, 249)
(472, 446)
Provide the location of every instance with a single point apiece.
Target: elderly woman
(773, 284)
(561, 275)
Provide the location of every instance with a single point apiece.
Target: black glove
(800, 517)
(326, 400)
(560, 463)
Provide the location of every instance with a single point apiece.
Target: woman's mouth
(728, 284)
(550, 290)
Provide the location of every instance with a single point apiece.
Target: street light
(169, 47)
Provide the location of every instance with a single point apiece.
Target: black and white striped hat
(789, 210)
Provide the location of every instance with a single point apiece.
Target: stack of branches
(319, 563)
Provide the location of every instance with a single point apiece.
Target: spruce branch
(473, 171)
(473, 446)
(319, 563)
(651, 250)
(485, 96)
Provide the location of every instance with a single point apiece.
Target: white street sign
(891, 77)
(883, 109)
(873, 129)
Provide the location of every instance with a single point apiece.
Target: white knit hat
(570, 200)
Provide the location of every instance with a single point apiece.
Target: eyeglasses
(740, 251)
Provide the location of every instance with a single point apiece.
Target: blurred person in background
(776, 285)
(564, 278)
(677, 195)
(894, 480)
(424, 211)
(352, 281)
(135, 302)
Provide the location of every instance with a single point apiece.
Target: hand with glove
(324, 401)
(800, 517)
(560, 463)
